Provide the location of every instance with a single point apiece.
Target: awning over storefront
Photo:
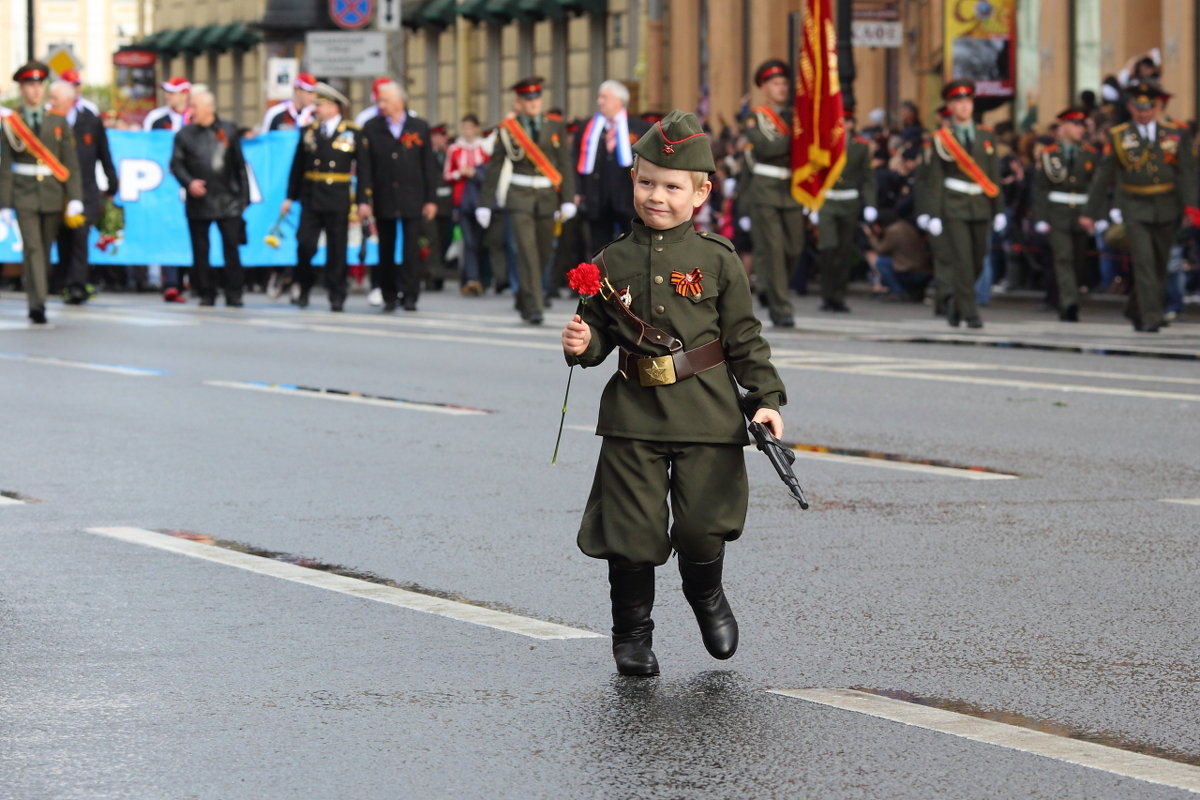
(502, 11)
(428, 14)
(199, 39)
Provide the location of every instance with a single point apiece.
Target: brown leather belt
(1157, 188)
(669, 369)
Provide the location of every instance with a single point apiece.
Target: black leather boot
(632, 593)
(702, 588)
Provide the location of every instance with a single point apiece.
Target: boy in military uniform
(326, 154)
(850, 199)
(962, 184)
(1151, 169)
(776, 219)
(676, 305)
(542, 176)
(1060, 188)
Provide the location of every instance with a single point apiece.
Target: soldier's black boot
(631, 588)
(703, 590)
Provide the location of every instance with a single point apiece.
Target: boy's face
(665, 198)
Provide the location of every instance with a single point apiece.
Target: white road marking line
(906, 466)
(414, 601)
(346, 398)
(1073, 751)
(117, 369)
(125, 318)
(1186, 501)
(10, 501)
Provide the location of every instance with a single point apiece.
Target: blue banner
(156, 226)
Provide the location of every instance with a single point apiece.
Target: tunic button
(658, 237)
(395, 155)
(658, 249)
(660, 309)
(333, 163)
(658, 278)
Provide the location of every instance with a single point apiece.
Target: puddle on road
(897, 457)
(337, 569)
(1042, 726)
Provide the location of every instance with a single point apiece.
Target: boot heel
(704, 593)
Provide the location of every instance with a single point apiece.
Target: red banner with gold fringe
(819, 136)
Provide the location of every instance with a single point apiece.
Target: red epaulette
(1090, 148)
(1050, 148)
(862, 140)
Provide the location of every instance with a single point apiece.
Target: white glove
(729, 187)
(1042, 227)
(567, 211)
(744, 223)
(1000, 223)
(483, 216)
(1116, 216)
(74, 208)
(1101, 226)
(815, 218)
(934, 227)
(923, 222)
(870, 214)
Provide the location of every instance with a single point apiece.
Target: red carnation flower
(585, 279)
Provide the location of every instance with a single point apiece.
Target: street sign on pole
(387, 17)
(362, 54)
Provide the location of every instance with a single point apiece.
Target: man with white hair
(39, 177)
(604, 155)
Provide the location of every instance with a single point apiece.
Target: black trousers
(404, 279)
(202, 275)
(337, 231)
(72, 271)
(607, 226)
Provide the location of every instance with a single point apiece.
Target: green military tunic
(776, 218)
(938, 249)
(38, 199)
(686, 438)
(530, 201)
(966, 212)
(1152, 181)
(1060, 186)
(838, 221)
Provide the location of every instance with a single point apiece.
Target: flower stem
(563, 418)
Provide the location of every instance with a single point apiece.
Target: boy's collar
(644, 234)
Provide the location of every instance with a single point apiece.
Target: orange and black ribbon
(966, 163)
(36, 148)
(534, 152)
(688, 285)
(771, 114)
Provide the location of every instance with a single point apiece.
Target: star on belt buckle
(659, 371)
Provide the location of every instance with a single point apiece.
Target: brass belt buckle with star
(659, 371)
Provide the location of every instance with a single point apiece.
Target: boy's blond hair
(698, 178)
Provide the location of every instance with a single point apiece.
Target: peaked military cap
(326, 92)
(1073, 114)
(1142, 93)
(529, 88)
(32, 71)
(771, 68)
(677, 142)
(959, 88)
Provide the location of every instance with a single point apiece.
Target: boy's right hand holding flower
(576, 336)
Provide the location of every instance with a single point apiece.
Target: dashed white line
(414, 601)
(117, 369)
(366, 400)
(905, 466)
(1184, 501)
(1072, 751)
(10, 501)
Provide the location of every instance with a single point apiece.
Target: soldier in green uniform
(937, 244)
(1060, 188)
(776, 219)
(326, 155)
(676, 305)
(39, 180)
(850, 199)
(538, 150)
(1150, 168)
(962, 195)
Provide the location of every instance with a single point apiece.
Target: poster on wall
(981, 45)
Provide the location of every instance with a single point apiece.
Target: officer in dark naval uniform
(1060, 187)
(39, 179)
(320, 180)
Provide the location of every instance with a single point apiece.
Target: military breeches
(627, 512)
(966, 247)
(337, 232)
(1150, 247)
(1070, 246)
(778, 237)
(837, 255)
(535, 239)
(38, 232)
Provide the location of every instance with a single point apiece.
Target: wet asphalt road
(1064, 599)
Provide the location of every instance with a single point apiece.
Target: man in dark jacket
(320, 180)
(397, 183)
(91, 145)
(207, 161)
(603, 156)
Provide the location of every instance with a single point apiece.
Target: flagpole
(845, 35)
